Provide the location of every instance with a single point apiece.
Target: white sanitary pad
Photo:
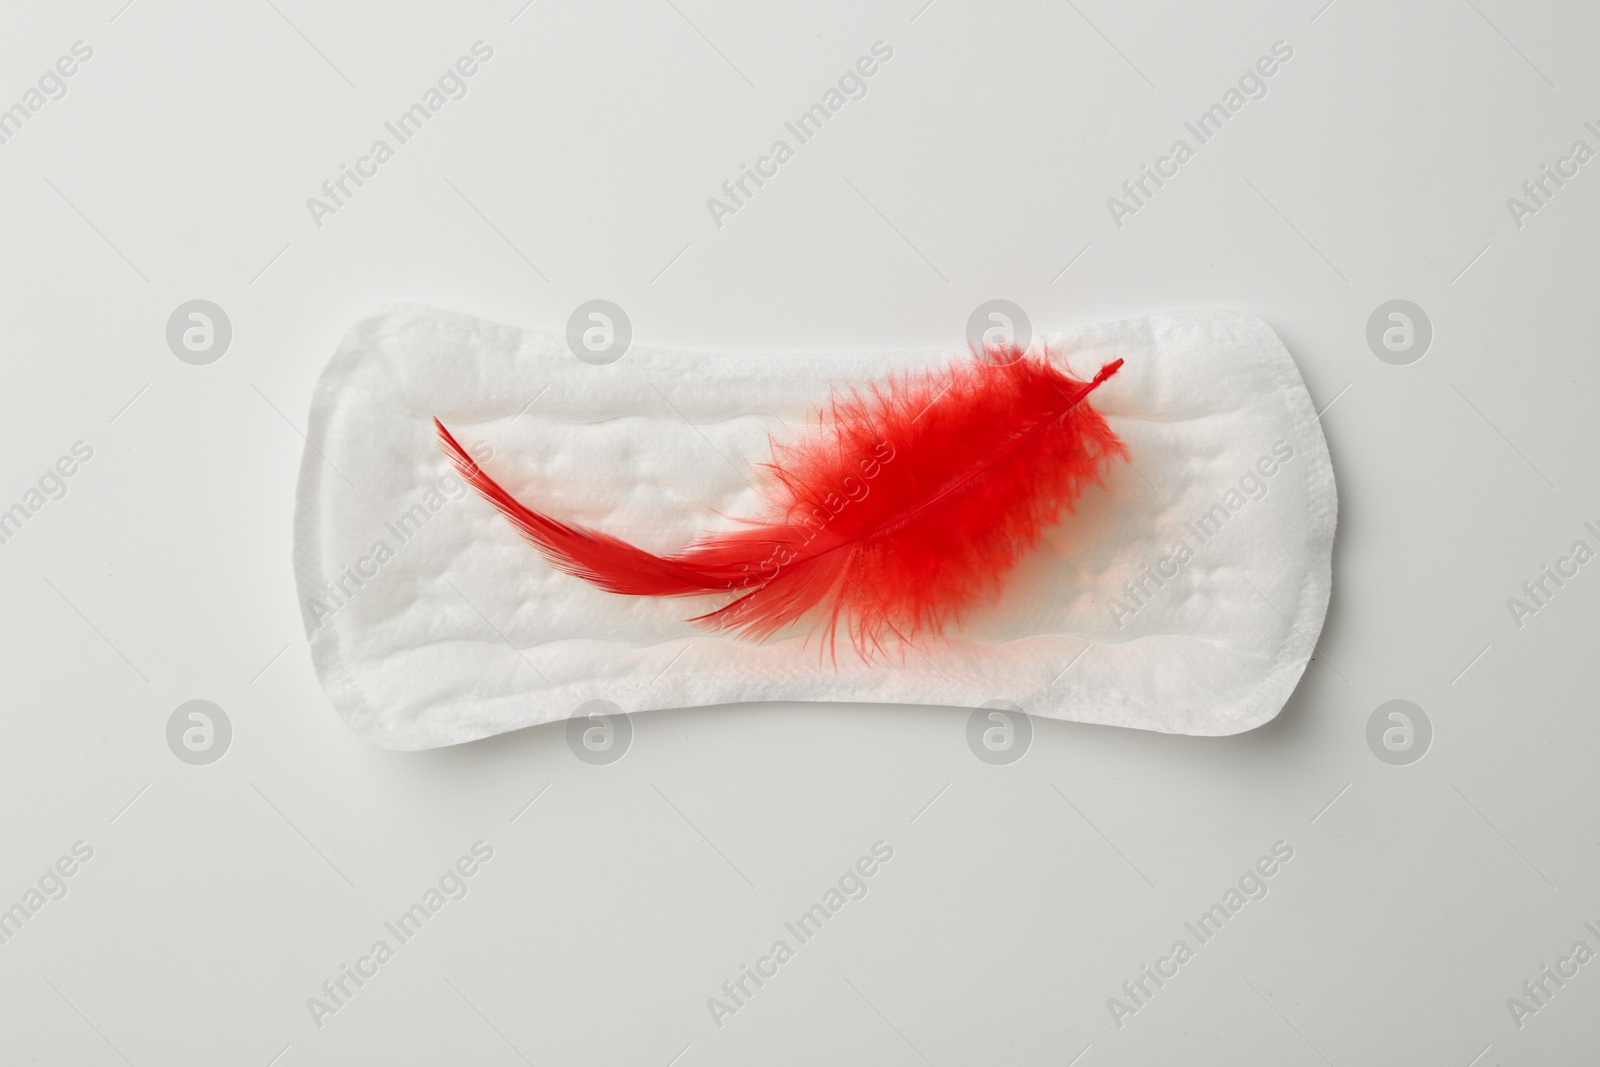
(1185, 596)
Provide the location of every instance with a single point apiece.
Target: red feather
(905, 506)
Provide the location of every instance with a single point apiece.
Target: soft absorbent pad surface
(1185, 595)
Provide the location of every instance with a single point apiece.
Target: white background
(219, 898)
